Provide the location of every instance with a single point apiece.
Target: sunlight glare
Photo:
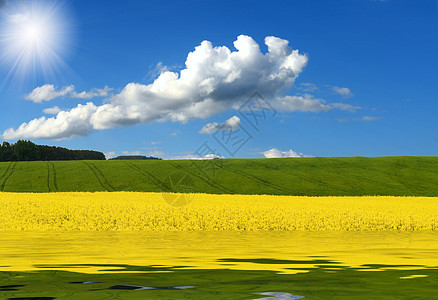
(33, 37)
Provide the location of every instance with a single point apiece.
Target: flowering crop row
(148, 211)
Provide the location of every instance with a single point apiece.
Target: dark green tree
(8, 152)
(26, 151)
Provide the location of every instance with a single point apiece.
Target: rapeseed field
(131, 211)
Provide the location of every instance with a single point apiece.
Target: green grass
(352, 176)
(325, 282)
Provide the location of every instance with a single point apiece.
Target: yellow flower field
(126, 211)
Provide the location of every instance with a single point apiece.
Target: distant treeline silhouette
(133, 157)
(28, 151)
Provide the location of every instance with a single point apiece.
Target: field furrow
(100, 177)
(319, 176)
(221, 188)
(8, 175)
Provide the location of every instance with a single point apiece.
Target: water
(218, 265)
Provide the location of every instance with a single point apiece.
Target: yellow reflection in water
(282, 252)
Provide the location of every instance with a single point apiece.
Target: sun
(34, 36)
(33, 33)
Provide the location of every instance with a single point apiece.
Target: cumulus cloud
(213, 80)
(66, 124)
(308, 103)
(52, 110)
(231, 124)
(48, 92)
(275, 153)
(343, 91)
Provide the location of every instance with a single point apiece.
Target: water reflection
(278, 296)
(223, 265)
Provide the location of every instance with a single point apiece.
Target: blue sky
(362, 83)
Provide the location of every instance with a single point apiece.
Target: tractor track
(51, 173)
(256, 179)
(48, 177)
(205, 179)
(369, 180)
(100, 177)
(157, 182)
(8, 174)
(55, 180)
(302, 177)
(6, 171)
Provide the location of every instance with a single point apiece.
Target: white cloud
(175, 133)
(364, 118)
(52, 110)
(48, 92)
(157, 70)
(66, 124)
(110, 154)
(370, 118)
(343, 91)
(196, 157)
(92, 93)
(156, 153)
(308, 103)
(214, 79)
(231, 124)
(17, 18)
(275, 153)
(156, 142)
(308, 87)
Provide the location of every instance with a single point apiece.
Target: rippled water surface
(218, 265)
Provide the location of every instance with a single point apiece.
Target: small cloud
(156, 70)
(343, 106)
(196, 157)
(275, 153)
(132, 153)
(231, 124)
(155, 143)
(17, 18)
(156, 153)
(110, 154)
(308, 103)
(308, 87)
(47, 92)
(52, 110)
(343, 91)
(175, 133)
(364, 118)
(92, 93)
(370, 118)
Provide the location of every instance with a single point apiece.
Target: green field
(353, 176)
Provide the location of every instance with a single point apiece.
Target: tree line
(24, 150)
